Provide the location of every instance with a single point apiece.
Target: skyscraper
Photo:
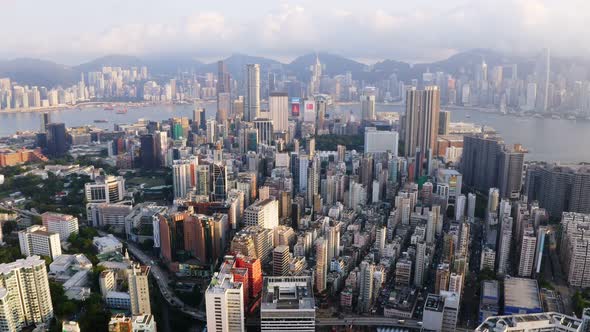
(421, 123)
(542, 73)
(528, 246)
(56, 140)
(510, 168)
(278, 107)
(505, 242)
(139, 290)
(365, 301)
(26, 299)
(252, 102)
(321, 267)
(184, 176)
(444, 122)
(480, 161)
(223, 78)
(368, 107)
(219, 181)
(148, 152)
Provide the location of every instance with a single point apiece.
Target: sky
(75, 31)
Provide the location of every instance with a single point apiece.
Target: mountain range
(27, 71)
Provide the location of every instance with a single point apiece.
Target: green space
(581, 300)
(329, 142)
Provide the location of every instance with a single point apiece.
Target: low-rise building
(546, 321)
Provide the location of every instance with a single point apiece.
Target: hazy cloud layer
(419, 31)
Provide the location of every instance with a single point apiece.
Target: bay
(546, 139)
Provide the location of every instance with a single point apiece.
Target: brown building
(13, 158)
(444, 142)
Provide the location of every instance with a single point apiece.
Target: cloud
(421, 31)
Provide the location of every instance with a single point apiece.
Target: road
(366, 321)
(163, 281)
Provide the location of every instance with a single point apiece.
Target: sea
(546, 139)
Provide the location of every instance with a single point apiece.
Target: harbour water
(546, 139)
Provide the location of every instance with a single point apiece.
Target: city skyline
(427, 30)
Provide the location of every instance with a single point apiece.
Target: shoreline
(90, 105)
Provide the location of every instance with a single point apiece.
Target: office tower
(36, 240)
(262, 213)
(542, 73)
(63, 224)
(56, 140)
(316, 75)
(280, 259)
(559, 188)
(544, 321)
(511, 163)
(471, 203)
(223, 107)
(575, 248)
(253, 266)
(139, 290)
(173, 89)
(148, 154)
(25, 298)
(105, 189)
(265, 130)
(252, 100)
(420, 265)
(199, 118)
(278, 106)
(321, 267)
(368, 108)
(442, 278)
(278, 311)
(224, 303)
(365, 301)
(479, 164)
(223, 78)
(505, 242)
(444, 122)
(184, 176)
(460, 208)
(421, 121)
(219, 181)
(161, 138)
(380, 141)
(45, 120)
(528, 245)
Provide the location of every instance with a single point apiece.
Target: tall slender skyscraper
(421, 122)
(542, 71)
(252, 102)
(223, 78)
(139, 290)
(368, 107)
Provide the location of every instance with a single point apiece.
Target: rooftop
(521, 293)
(530, 321)
(288, 293)
(434, 303)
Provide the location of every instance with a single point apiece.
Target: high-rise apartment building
(25, 298)
(184, 176)
(139, 290)
(365, 301)
(252, 100)
(528, 246)
(321, 267)
(559, 188)
(36, 240)
(421, 122)
(63, 224)
(444, 123)
(575, 248)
